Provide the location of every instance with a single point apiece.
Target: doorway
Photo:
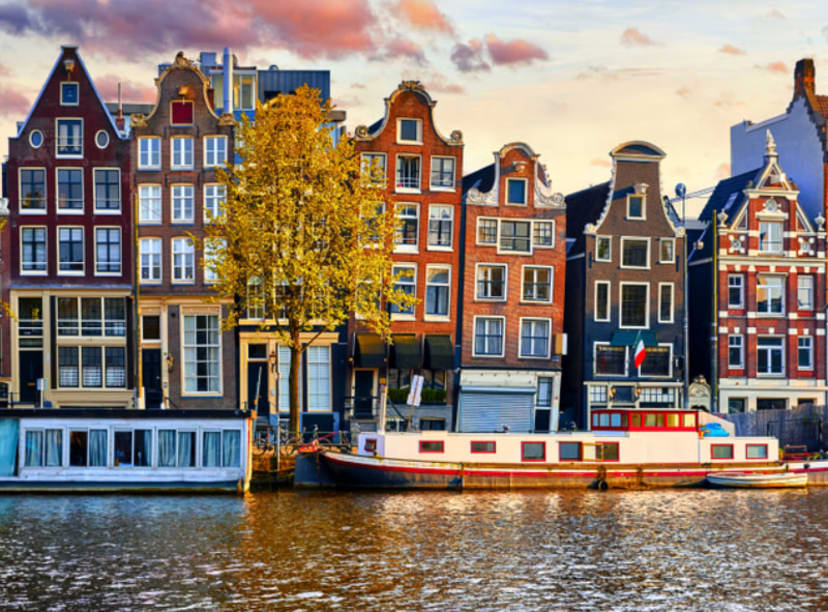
(363, 394)
(151, 373)
(31, 368)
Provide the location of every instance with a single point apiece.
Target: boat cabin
(644, 420)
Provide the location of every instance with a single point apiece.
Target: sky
(571, 79)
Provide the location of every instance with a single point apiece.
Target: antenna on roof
(119, 120)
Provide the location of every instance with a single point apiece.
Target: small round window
(36, 138)
(102, 139)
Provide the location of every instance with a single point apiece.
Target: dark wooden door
(363, 393)
(31, 368)
(151, 372)
(257, 381)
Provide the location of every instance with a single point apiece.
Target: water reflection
(418, 550)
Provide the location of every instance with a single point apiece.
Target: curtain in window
(212, 447)
(230, 453)
(34, 448)
(143, 447)
(186, 452)
(97, 447)
(8, 446)
(54, 447)
(166, 448)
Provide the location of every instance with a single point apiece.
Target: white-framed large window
(488, 336)
(408, 173)
(107, 190)
(438, 290)
(319, 378)
(70, 250)
(183, 207)
(805, 352)
(537, 283)
(215, 151)
(609, 360)
(770, 236)
(150, 254)
(407, 283)
(69, 190)
(214, 197)
(634, 305)
(181, 148)
(543, 234)
(69, 141)
(486, 231)
(736, 352)
(107, 251)
(491, 282)
(736, 290)
(665, 302)
(32, 250)
(805, 292)
(442, 173)
(535, 338)
(770, 294)
(149, 203)
(515, 236)
(440, 226)
(183, 260)
(770, 351)
(409, 131)
(91, 367)
(635, 253)
(408, 229)
(602, 301)
(149, 152)
(32, 190)
(91, 316)
(202, 346)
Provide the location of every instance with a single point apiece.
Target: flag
(638, 351)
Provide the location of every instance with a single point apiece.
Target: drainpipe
(714, 358)
(228, 81)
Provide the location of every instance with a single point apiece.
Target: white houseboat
(89, 450)
(635, 448)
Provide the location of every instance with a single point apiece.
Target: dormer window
(69, 94)
(770, 237)
(181, 112)
(516, 191)
(635, 206)
(410, 131)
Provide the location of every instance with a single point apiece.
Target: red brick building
(513, 295)
(423, 169)
(768, 278)
(70, 263)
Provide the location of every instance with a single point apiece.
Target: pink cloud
(440, 86)
(469, 58)
(13, 103)
(601, 163)
(513, 51)
(731, 50)
(107, 86)
(423, 15)
(777, 67)
(633, 37)
(722, 171)
(358, 85)
(401, 47)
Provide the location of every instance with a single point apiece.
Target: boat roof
(122, 413)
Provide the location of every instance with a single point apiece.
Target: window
(201, 354)
(255, 299)
(597, 394)
(805, 292)
(88, 448)
(610, 360)
(68, 366)
(183, 260)
(133, 448)
(33, 249)
(543, 398)
(735, 291)
(101, 139)
(656, 361)
(107, 189)
(602, 289)
(534, 338)
(408, 220)
(182, 153)
(214, 197)
(603, 248)
(533, 451)
(70, 249)
(516, 191)
(69, 93)
(770, 237)
(537, 284)
(635, 207)
(91, 366)
(667, 250)
(431, 446)
(33, 189)
(181, 112)
(212, 248)
(770, 294)
(244, 91)
(107, 250)
(769, 355)
(442, 172)
(149, 203)
(373, 165)
(68, 323)
(408, 172)
(319, 378)
(805, 352)
(409, 130)
(150, 327)
(149, 152)
(182, 204)
(215, 151)
(487, 231)
(48, 452)
(483, 446)
(721, 451)
(756, 451)
(488, 336)
(437, 290)
(514, 236)
(69, 138)
(735, 405)
(491, 282)
(735, 352)
(635, 253)
(665, 302)
(544, 234)
(36, 139)
(95, 319)
(150, 250)
(70, 189)
(440, 223)
(569, 451)
(606, 451)
(407, 283)
(634, 305)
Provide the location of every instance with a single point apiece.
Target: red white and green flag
(639, 352)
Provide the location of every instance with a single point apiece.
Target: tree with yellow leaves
(304, 236)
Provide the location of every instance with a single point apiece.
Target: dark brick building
(513, 295)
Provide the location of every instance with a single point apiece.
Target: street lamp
(681, 192)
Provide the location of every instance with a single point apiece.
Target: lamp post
(681, 192)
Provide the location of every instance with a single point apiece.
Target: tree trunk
(295, 368)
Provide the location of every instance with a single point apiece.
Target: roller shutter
(488, 409)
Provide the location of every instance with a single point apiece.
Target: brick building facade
(512, 304)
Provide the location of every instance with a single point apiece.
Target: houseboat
(120, 450)
(635, 448)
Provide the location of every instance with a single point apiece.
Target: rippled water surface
(733, 550)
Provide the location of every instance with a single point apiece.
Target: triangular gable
(803, 224)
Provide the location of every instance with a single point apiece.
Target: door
(363, 393)
(31, 368)
(151, 372)
(257, 386)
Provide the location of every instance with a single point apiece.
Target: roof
(376, 125)
(482, 179)
(130, 108)
(721, 198)
(821, 105)
(584, 207)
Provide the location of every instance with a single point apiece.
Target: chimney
(804, 78)
(211, 97)
(119, 120)
(228, 81)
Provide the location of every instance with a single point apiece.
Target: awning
(405, 352)
(369, 351)
(439, 353)
(626, 337)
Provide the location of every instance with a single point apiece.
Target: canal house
(624, 290)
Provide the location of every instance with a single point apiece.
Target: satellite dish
(681, 190)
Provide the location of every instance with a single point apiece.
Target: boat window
(689, 419)
(604, 419)
(650, 419)
(123, 448)
(231, 442)
(673, 419)
(569, 451)
(721, 451)
(756, 451)
(533, 451)
(212, 449)
(636, 419)
(595, 420)
(615, 419)
(483, 447)
(186, 449)
(431, 446)
(370, 445)
(78, 447)
(606, 451)
(166, 448)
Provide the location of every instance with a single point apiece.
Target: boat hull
(145, 487)
(758, 481)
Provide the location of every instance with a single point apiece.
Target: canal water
(326, 550)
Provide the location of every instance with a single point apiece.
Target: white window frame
(672, 302)
(733, 345)
(661, 243)
(407, 248)
(810, 305)
(477, 269)
(213, 160)
(180, 164)
(59, 155)
(497, 232)
(437, 317)
(551, 270)
(310, 378)
(152, 267)
(70, 211)
(106, 211)
(595, 371)
(179, 218)
(669, 363)
(440, 247)
(536, 222)
(763, 246)
(764, 275)
(45, 262)
(218, 195)
(810, 365)
(184, 347)
(609, 250)
(173, 252)
(769, 349)
(404, 316)
(595, 302)
(151, 152)
(447, 188)
(525, 182)
(77, 88)
(643, 197)
(418, 187)
(634, 239)
(120, 250)
(207, 255)
(367, 155)
(500, 249)
(45, 199)
(741, 278)
(82, 271)
(502, 337)
(548, 322)
(399, 137)
(621, 286)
